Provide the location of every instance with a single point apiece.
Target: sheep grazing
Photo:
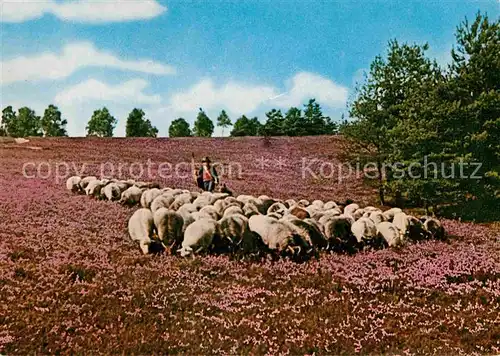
(318, 203)
(416, 230)
(148, 196)
(94, 188)
(299, 212)
(180, 200)
(233, 234)
(112, 191)
(209, 212)
(277, 208)
(250, 209)
(140, 229)
(303, 203)
(364, 230)
(310, 231)
(73, 184)
(169, 226)
(390, 233)
(232, 210)
(338, 232)
(434, 228)
(330, 205)
(198, 237)
(85, 182)
(389, 214)
(277, 235)
(376, 216)
(131, 196)
(161, 201)
(351, 208)
(401, 221)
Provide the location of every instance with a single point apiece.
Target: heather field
(70, 282)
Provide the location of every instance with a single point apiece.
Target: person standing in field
(207, 176)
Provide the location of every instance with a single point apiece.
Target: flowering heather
(70, 281)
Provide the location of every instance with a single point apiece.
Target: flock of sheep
(186, 222)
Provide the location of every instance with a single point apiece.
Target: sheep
(416, 230)
(303, 203)
(330, 205)
(277, 235)
(73, 184)
(148, 196)
(85, 181)
(232, 210)
(244, 198)
(364, 230)
(318, 203)
(299, 212)
(201, 201)
(371, 209)
(94, 188)
(359, 213)
(290, 202)
(220, 205)
(351, 208)
(112, 191)
(131, 196)
(169, 226)
(188, 220)
(278, 208)
(198, 236)
(180, 200)
(210, 212)
(161, 201)
(250, 209)
(390, 233)
(310, 231)
(400, 220)
(186, 209)
(232, 230)
(389, 214)
(376, 216)
(275, 216)
(338, 232)
(140, 229)
(123, 185)
(434, 228)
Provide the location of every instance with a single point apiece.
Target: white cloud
(240, 98)
(94, 90)
(83, 11)
(73, 57)
(305, 85)
(234, 97)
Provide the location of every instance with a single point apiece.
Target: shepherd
(206, 177)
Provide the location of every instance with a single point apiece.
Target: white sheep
(85, 181)
(351, 208)
(250, 209)
(244, 198)
(303, 203)
(148, 196)
(94, 188)
(318, 203)
(231, 210)
(364, 230)
(131, 196)
(73, 184)
(169, 225)
(330, 205)
(276, 234)
(112, 191)
(198, 236)
(376, 216)
(390, 233)
(161, 201)
(140, 228)
(401, 221)
(209, 212)
(389, 214)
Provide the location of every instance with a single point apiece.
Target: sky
(171, 57)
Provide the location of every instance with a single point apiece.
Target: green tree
(316, 122)
(295, 124)
(246, 127)
(101, 124)
(203, 126)
(223, 121)
(138, 126)
(385, 120)
(179, 128)
(27, 123)
(472, 97)
(9, 119)
(274, 125)
(52, 122)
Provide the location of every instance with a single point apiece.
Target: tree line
(295, 122)
(443, 124)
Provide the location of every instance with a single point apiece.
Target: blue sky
(171, 57)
